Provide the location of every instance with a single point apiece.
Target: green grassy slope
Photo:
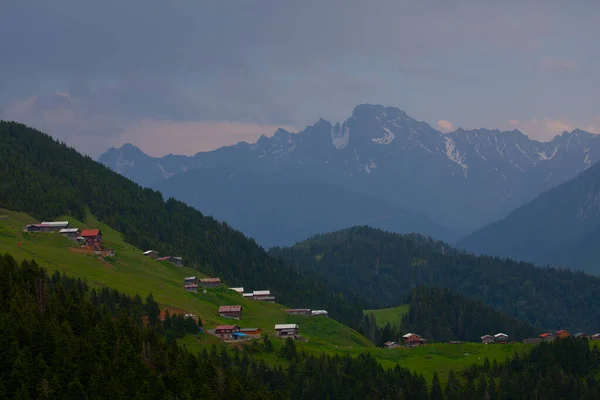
(392, 315)
(131, 272)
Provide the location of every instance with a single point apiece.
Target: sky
(184, 76)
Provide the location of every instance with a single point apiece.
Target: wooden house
(190, 287)
(234, 312)
(596, 336)
(226, 331)
(286, 330)
(252, 332)
(501, 338)
(190, 279)
(92, 237)
(55, 226)
(210, 282)
(581, 335)
(263, 295)
(390, 345)
(71, 233)
(412, 340)
(487, 339)
(247, 295)
(151, 253)
(546, 337)
(561, 334)
(298, 311)
(177, 261)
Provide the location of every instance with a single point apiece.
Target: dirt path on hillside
(106, 264)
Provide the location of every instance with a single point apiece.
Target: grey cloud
(278, 62)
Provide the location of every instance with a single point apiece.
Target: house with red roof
(226, 331)
(547, 337)
(561, 334)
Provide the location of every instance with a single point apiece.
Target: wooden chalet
(234, 312)
(190, 279)
(562, 333)
(71, 233)
(582, 335)
(252, 332)
(487, 339)
(298, 311)
(286, 330)
(151, 253)
(190, 287)
(596, 336)
(263, 295)
(390, 345)
(210, 282)
(92, 237)
(226, 331)
(46, 226)
(501, 338)
(546, 337)
(412, 340)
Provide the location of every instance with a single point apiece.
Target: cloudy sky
(183, 76)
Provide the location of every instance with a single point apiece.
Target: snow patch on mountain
(387, 138)
(455, 155)
(544, 156)
(341, 139)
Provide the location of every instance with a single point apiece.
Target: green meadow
(131, 272)
(393, 315)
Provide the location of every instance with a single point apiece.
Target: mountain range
(559, 227)
(380, 167)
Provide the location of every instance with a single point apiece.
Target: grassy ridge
(393, 315)
(131, 272)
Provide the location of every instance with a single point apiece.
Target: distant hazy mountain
(560, 227)
(463, 180)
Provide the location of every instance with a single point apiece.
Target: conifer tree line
(383, 268)
(62, 340)
(46, 179)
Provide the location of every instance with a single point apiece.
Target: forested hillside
(443, 315)
(383, 268)
(62, 341)
(45, 178)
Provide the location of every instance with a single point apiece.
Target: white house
(239, 290)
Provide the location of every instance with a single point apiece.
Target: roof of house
(389, 343)
(69, 230)
(297, 310)
(319, 312)
(545, 334)
(230, 309)
(497, 335)
(167, 258)
(210, 280)
(487, 337)
(150, 251)
(177, 258)
(596, 335)
(226, 327)
(286, 326)
(54, 223)
(261, 293)
(410, 334)
(190, 285)
(237, 289)
(561, 331)
(90, 232)
(187, 278)
(247, 294)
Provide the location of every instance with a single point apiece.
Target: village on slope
(92, 240)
